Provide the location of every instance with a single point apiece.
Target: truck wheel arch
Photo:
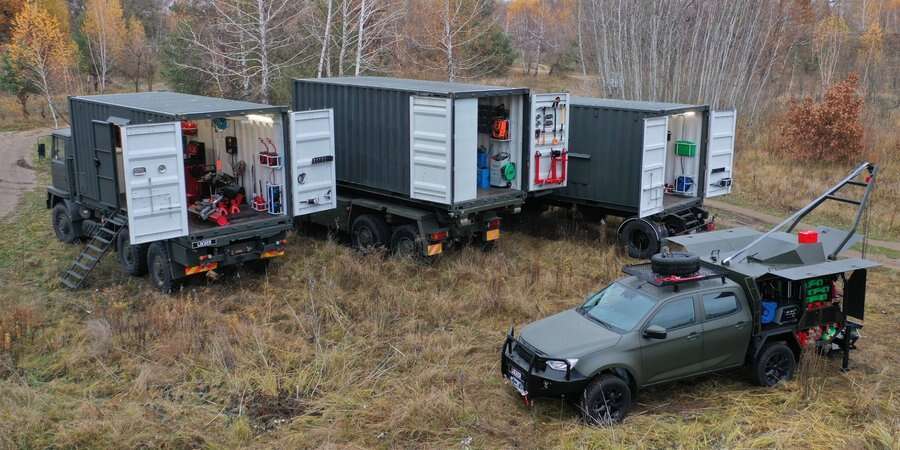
(621, 372)
(785, 336)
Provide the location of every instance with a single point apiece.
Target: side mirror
(655, 332)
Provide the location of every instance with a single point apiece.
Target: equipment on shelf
(276, 202)
(188, 128)
(231, 145)
(503, 171)
(684, 184)
(269, 157)
(500, 129)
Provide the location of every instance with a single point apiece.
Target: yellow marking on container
(272, 253)
(493, 235)
(435, 249)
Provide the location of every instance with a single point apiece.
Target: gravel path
(16, 173)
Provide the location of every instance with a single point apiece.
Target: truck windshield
(617, 307)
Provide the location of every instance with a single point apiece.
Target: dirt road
(16, 173)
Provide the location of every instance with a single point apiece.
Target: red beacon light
(808, 237)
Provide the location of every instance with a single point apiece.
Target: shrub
(828, 130)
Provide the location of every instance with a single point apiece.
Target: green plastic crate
(685, 148)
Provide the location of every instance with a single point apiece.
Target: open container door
(720, 156)
(430, 149)
(154, 182)
(549, 142)
(312, 161)
(104, 139)
(653, 165)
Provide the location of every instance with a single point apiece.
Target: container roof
(180, 105)
(431, 87)
(632, 105)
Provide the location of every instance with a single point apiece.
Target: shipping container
(650, 162)
(458, 153)
(207, 182)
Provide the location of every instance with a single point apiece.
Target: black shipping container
(377, 151)
(632, 158)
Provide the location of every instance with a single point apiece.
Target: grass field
(336, 349)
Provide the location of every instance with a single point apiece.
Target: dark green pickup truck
(758, 300)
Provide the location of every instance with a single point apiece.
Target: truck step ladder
(102, 239)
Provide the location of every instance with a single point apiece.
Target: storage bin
(769, 309)
(685, 148)
(684, 184)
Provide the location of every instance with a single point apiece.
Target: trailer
(425, 165)
(648, 162)
(180, 185)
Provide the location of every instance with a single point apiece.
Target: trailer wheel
(132, 258)
(404, 241)
(63, 225)
(641, 238)
(606, 400)
(774, 364)
(369, 232)
(160, 268)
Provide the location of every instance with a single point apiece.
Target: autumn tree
(39, 51)
(14, 82)
(540, 30)
(8, 11)
(136, 53)
(104, 32)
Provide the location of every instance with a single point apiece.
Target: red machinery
(558, 159)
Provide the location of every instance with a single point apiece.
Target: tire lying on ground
(675, 263)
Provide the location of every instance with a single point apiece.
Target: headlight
(561, 366)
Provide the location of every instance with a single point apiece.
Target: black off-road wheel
(776, 363)
(675, 263)
(63, 225)
(369, 232)
(405, 242)
(132, 258)
(606, 400)
(160, 268)
(640, 238)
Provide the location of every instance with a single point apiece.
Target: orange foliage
(830, 130)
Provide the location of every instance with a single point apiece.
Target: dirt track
(16, 173)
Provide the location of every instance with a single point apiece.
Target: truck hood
(568, 335)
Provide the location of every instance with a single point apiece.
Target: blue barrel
(482, 160)
(484, 178)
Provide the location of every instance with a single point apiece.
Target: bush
(829, 130)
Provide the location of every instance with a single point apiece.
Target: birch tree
(246, 44)
(40, 52)
(104, 31)
(326, 36)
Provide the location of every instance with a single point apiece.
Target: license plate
(203, 243)
(514, 373)
(435, 249)
(515, 379)
(492, 235)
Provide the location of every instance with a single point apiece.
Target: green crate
(685, 148)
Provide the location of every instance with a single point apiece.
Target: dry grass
(336, 349)
(767, 182)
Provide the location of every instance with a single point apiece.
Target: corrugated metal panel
(418, 86)
(371, 132)
(612, 141)
(83, 113)
(177, 104)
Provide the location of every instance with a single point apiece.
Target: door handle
(96, 162)
(693, 336)
(739, 324)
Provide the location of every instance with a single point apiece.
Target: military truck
(754, 299)
(180, 185)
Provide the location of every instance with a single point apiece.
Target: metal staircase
(102, 239)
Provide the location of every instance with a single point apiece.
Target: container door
(547, 158)
(653, 165)
(720, 157)
(313, 186)
(430, 149)
(154, 182)
(104, 160)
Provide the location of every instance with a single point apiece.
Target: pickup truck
(758, 300)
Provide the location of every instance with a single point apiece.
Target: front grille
(522, 350)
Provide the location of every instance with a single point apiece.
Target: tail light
(494, 223)
(438, 236)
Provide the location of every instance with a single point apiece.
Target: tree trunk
(325, 39)
(23, 102)
(360, 36)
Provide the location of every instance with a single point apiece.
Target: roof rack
(645, 272)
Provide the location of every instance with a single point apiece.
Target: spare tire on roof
(675, 263)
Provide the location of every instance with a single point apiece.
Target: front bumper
(532, 378)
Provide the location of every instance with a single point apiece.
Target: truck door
(547, 156)
(720, 155)
(653, 165)
(681, 352)
(430, 148)
(104, 163)
(726, 329)
(313, 187)
(155, 193)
